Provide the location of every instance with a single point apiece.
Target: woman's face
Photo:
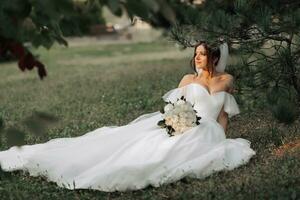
(201, 57)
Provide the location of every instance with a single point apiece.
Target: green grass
(105, 50)
(107, 89)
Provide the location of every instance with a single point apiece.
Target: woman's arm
(223, 119)
(223, 116)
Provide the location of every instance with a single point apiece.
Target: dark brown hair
(211, 52)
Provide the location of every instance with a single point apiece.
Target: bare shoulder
(188, 76)
(228, 81)
(186, 79)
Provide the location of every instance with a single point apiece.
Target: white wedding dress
(133, 156)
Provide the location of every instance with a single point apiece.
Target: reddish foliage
(16, 49)
(26, 59)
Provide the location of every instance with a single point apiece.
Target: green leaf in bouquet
(162, 123)
(169, 102)
(182, 98)
(170, 130)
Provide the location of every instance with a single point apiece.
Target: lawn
(97, 85)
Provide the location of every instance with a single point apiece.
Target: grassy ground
(100, 84)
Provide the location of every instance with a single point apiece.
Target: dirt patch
(290, 147)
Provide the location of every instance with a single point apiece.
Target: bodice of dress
(207, 105)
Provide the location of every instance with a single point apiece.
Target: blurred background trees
(84, 15)
(44, 22)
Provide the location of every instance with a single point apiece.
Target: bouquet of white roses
(178, 117)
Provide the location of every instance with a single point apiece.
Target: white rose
(175, 118)
(179, 124)
(183, 121)
(187, 107)
(171, 112)
(168, 120)
(189, 104)
(168, 107)
(182, 115)
(191, 114)
(180, 102)
(180, 107)
(177, 130)
(189, 121)
(175, 111)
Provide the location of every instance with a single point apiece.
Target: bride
(138, 154)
